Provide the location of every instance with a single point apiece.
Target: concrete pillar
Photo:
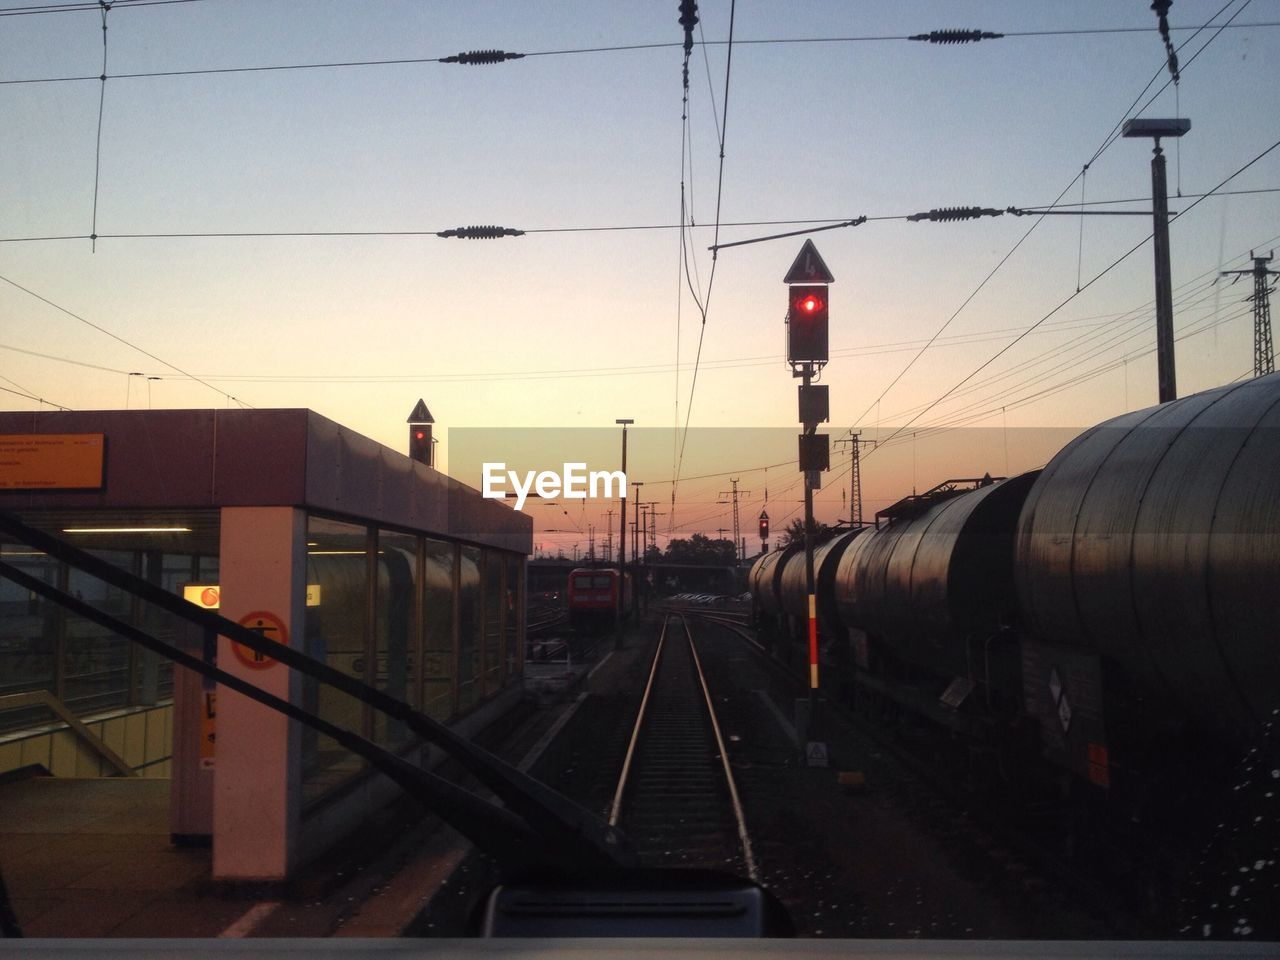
(257, 773)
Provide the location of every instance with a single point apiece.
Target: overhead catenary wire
(1195, 293)
(97, 150)
(705, 305)
(1188, 295)
(1115, 263)
(1107, 141)
(31, 396)
(830, 222)
(470, 57)
(114, 336)
(727, 363)
(85, 6)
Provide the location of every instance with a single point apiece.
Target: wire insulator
(956, 36)
(481, 233)
(943, 214)
(481, 56)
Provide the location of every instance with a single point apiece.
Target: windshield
(841, 456)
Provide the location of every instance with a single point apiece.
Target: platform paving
(93, 858)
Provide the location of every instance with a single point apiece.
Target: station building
(293, 525)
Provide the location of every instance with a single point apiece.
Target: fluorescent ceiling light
(126, 530)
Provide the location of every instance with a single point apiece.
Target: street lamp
(1155, 129)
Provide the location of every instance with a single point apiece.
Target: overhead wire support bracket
(481, 233)
(482, 56)
(1161, 8)
(943, 214)
(855, 222)
(957, 36)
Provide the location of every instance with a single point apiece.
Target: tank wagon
(1104, 612)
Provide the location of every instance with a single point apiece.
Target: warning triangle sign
(809, 267)
(421, 414)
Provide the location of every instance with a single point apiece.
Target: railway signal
(808, 318)
(807, 327)
(420, 441)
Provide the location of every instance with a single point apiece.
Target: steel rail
(747, 856)
(615, 811)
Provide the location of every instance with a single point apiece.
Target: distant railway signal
(420, 444)
(420, 440)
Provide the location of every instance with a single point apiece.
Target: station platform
(93, 858)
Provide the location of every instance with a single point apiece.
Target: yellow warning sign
(209, 595)
(269, 626)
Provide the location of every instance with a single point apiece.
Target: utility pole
(635, 539)
(855, 474)
(737, 550)
(1155, 129)
(622, 531)
(608, 536)
(644, 528)
(1264, 358)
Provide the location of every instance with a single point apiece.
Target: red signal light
(420, 444)
(807, 324)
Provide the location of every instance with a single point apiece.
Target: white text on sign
(574, 482)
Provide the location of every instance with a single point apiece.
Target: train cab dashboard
(660, 948)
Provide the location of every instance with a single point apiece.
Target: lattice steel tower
(855, 474)
(739, 550)
(1264, 359)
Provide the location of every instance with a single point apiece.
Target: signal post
(808, 352)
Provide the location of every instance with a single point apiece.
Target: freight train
(1110, 612)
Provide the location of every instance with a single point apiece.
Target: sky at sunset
(594, 314)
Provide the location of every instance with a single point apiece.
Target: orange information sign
(52, 461)
(271, 627)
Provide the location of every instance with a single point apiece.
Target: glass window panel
(97, 663)
(337, 558)
(438, 638)
(515, 612)
(470, 641)
(28, 632)
(397, 628)
(494, 607)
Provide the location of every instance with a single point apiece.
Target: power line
(1107, 141)
(1115, 263)
(705, 305)
(117, 337)
(30, 396)
(85, 7)
(1030, 209)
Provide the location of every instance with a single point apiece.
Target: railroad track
(676, 796)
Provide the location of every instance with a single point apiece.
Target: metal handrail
(43, 698)
(583, 841)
